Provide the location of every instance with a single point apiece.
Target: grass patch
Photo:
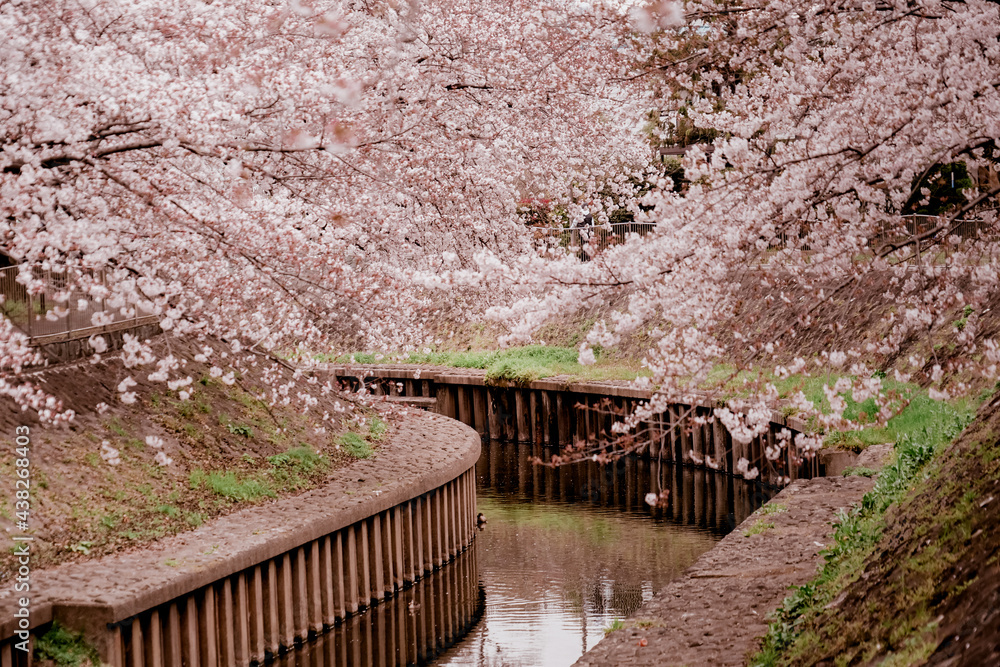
(303, 459)
(616, 625)
(354, 445)
(772, 508)
(758, 528)
(856, 534)
(65, 647)
(377, 429)
(240, 429)
(919, 415)
(287, 471)
(231, 485)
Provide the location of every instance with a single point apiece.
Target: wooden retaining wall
(263, 608)
(411, 629)
(553, 413)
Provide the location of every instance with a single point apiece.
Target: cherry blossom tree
(296, 174)
(831, 119)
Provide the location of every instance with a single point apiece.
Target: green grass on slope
(920, 414)
(810, 626)
(519, 365)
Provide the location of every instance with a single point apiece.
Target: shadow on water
(565, 552)
(411, 629)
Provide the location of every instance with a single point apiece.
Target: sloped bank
(249, 585)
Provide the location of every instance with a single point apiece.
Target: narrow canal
(564, 554)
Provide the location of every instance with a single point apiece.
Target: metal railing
(59, 309)
(588, 241)
(909, 227)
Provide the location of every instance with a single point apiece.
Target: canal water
(564, 553)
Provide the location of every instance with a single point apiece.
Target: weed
(170, 510)
(615, 626)
(115, 427)
(194, 519)
(300, 458)
(171, 562)
(82, 547)
(356, 446)
(64, 647)
(92, 459)
(772, 508)
(230, 485)
(859, 471)
(961, 322)
(240, 429)
(758, 528)
(377, 429)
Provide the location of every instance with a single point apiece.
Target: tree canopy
(319, 173)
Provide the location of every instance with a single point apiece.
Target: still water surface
(564, 553)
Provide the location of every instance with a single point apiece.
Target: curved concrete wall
(251, 584)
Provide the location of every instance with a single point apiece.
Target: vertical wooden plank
(409, 548)
(154, 641)
(326, 574)
(546, 417)
(207, 629)
(427, 526)
(388, 553)
(300, 592)
(464, 400)
(190, 654)
(493, 414)
(286, 597)
(479, 410)
(420, 555)
(314, 586)
(227, 622)
(509, 417)
(136, 649)
(242, 610)
(117, 645)
(173, 654)
(339, 581)
(351, 555)
(440, 553)
(257, 600)
(377, 590)
(521, 415)
(272, 630)
(398, 514)
(364, 565)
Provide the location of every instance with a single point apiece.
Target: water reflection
(410, 629)
(565, 552)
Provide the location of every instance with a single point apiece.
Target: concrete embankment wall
(554, 412)
(251, 584)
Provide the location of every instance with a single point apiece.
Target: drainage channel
(564, 554)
